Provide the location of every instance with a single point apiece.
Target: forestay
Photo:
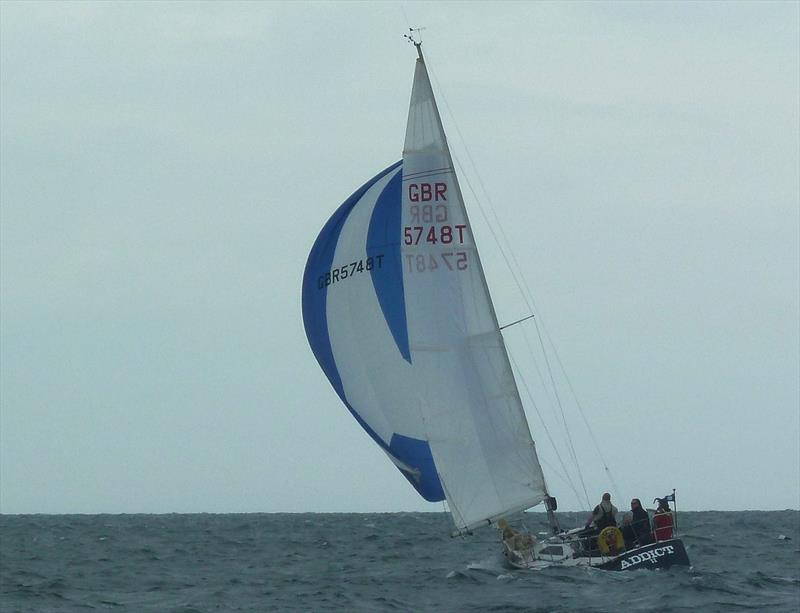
(398, 314)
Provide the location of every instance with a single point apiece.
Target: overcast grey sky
(166, 168)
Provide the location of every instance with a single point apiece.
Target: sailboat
(398, 314)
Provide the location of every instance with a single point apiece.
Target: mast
(398, 314)
(425, 141)
(413, 41)
(551, 505)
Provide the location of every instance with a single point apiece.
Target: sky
(166, 167)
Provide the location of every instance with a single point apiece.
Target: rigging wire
(548, 391)
(405, 16)
(522, 286)
(616, 488)
(544, 424)
(527, 296)
(564, 478)
(563, 415)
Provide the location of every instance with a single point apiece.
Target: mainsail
(398, 314)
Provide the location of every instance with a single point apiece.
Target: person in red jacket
(662, 520)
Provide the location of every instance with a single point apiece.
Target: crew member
(662, 520)
(604, 514)
(637, 526)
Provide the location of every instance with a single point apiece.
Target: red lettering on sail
(425, 192)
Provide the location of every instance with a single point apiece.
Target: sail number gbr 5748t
(349, 270)
(429, 228)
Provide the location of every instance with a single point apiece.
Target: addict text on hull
(657, 555)
(647, 556)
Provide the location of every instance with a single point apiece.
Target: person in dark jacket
(637, 527)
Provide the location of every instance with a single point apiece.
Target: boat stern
(661, 554)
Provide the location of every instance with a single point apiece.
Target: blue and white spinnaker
(399, 317)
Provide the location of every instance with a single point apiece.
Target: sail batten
(409, 337)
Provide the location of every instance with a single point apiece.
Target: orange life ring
(611, 541)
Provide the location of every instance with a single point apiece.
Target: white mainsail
(398, 314)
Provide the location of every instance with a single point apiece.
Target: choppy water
(371, 562)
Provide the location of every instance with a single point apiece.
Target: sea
(373, 562)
